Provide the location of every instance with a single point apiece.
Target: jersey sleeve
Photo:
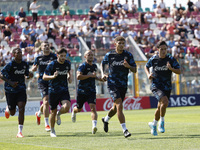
(131, 61)
(5, 71)
(81, 68)
(105, 60)
(149, 63)
(69, 65)
(36, 61)
(49, 69)
(27, 69)
(175, 63)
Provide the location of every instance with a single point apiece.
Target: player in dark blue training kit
(15, 89)
(58, 74)
(162, 66)
(41, 63)
(120, 62)
(86, 73)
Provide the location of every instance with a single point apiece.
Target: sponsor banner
(31, 108)
(129, 103)
(179, 100)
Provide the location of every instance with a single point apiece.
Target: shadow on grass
(173, 137)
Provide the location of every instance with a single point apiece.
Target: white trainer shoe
(58, 120)
(53, 134)
(73, 117)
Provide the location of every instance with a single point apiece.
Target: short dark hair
(161, 43)
(62, 50)
(15, 49)
(119, 38)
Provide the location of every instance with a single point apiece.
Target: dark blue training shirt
(118, 74)
(15, 72)
(88, 85)
(60, 83)
(162, 74)
(42, 62)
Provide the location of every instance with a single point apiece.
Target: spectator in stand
(37, 43)
(183, 38)
(195, 86)
(55, 4)
(3, 49)
(43, 37)
(190, 6)
(153, 51)
(106, 14)
(132, 32)
(64, 9)
(180, 28)
(118, 7)
(31, 45)
(80, 34)
(7, 33)
(122, 23)
(181, 9)
(162, 33)
(106, 39)
(2, 21)
(30, 57)
(111, 8)
(148, 17)
(124, 33)
(183, 19)
(10, 20)
(98, 38)
(34, 8)
(108, 24)
(158, 12)
(192, 23)
(83, 22)
(71, 32)
(25, 33)
(39, 30)
(2, 61)
(197, 51)
(88, 35)
(37, 53)
(194, 66)
(22, 15)
(98, 8)
(191, 48)
(93, 26)
(115, 23)
(152, 40)
(63, 32)
(197, 5)
(163, 6)
(23, 44)
(154, 5)
(141, 19)
(125, 8)
(197, 33)
(171, 43)
(87, 26)
(105, 4)
(92, 14)
(50, 32)
(101, 24)
(173, 11)
(188, 57)
(114, 33)
(7, 57)
(32, 33)
(175, 51)
(170, 30)
(148, 32)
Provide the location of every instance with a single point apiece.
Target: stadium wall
(130, 103)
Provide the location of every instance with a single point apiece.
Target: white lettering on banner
(19, 71)
(131, 103)
(107, 104)
(183, 101)
(163, 68)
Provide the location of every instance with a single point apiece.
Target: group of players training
(54, 75)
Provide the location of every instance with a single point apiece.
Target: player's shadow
(173, 137)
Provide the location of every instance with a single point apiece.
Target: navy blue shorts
(82, 98)
(56, 98)
(43, 87)
(160, 93)
(117, 92)
(13, 98)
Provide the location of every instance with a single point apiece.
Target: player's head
(45, 48)
(162, 48)
(61, 54)
(120, 44)
(89, 56)
(17, 54)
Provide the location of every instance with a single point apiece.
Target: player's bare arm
(50, 77)
(133, 69)
(69, 77)
(177, 71)
(149, 75)
(80, 75)
(34, 68)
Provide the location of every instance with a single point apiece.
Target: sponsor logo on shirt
(117, 63)
(62, 72)
(163, 68)
(19, 71)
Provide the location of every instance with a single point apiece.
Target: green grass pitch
(182, 132)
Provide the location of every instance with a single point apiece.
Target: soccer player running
(120, 62)
(58, 72)
(162, 67)
(86, 73)
(15, 89)
(41, 63)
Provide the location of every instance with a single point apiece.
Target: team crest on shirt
(125, 58)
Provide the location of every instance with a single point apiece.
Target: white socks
(94, 123)
(107, 118)
(20, 127)
(155, 122)
(46, 121)
(39, 113)
(124, 126)
(162, 118)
